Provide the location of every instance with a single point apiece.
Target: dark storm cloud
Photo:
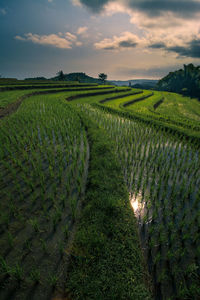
(127, 44)
(192, 49)
(157, 46)
(94, 5)
(183, 8)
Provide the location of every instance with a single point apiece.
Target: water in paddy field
(168, 221)
(162, 174)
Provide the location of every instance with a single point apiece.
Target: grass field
(168, 110)
(99, 194)
(162, 176)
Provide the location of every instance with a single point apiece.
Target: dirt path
(12, 107)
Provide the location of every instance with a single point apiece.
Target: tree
(185, 81)
(102, 77)
(77, 78)
(61, 75)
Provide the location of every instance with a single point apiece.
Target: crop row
(172, 109)
(43, 166)
(7, 97)
(162, 175)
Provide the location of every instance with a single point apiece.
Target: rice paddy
(62, 218)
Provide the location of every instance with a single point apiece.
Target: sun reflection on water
(137, 205)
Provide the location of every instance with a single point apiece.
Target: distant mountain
(138, 83)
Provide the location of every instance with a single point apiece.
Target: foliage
(43, 159)
(103, 77)
(106, 261)
(150, 148)
(184, 81)
(163, 181)
(60, 75)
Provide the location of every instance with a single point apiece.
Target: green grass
(184, 107)
(43, 157)
(7, 97)
(175, 109)
(106, 260)
(11, 96)
(15, 82)
(176, 113)
(138, 153)
(146, 106)
(116, 103)
(162, 181)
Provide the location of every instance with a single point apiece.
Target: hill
(184, 81)
(78, 76)
(150, 83)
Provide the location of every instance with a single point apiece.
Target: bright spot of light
(135, 205)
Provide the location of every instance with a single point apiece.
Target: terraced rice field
(99, 191)
(167, 109)
(162, 176)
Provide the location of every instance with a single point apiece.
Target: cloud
(149, 7)
(94, 5)
(167, 25)
(190, 49)
(193, 49)
(187, 46)
(158, 45)
(76, 2)
(3, 11)
(156, 7)
(125, 41)
(60, 40)
(71, 37)
(82, 30)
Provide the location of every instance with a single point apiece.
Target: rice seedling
(52, 280)
(35, 276)
(17, 272)
(161, 165)
(43, 170)
(35, 224)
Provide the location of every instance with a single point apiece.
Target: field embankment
(11, 100)
(106, 256)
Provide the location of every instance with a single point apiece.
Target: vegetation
(106, 257)
(102, 77)
(72, 160)
(43, 160)
(78, 77)
(186, 81)
(163, 185)
(60, 75)
(171, 111)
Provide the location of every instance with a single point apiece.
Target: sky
(126, 39)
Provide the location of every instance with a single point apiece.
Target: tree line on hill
(80, 77)
(185, 81)
(77, 76)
